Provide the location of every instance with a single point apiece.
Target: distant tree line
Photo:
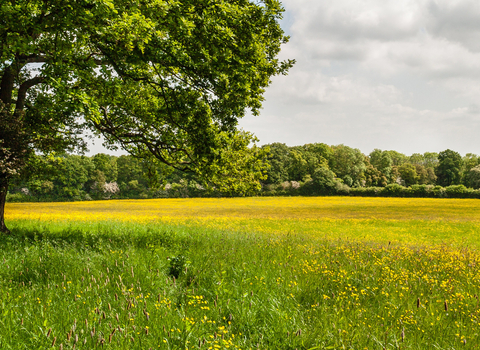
(75, 178)
(311, 169)
(320, 169)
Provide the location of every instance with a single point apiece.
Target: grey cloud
(466, 112)
(434, 39)
(326, 49)
(474, 109)
(456, 21)
(372, 20)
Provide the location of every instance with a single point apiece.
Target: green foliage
(98, 186)
(419, 191)
(324, 181)
(321, 150)
(397, 158)
(349, 165)
(416, 158)
(71, 177)
(366, 191)
(177, 265)
(295, 163)
(469, 162)
(66, 177)
(449, 168)
(408, 173)
(155, 172)
(373, 176)
(238, 168)
(107, 165)
(19, 198)
(277, 159)
(426, 175)
(393, 190)
(473, 177)
(457, 191)
(422, 190)
(130, 169)
(299, 165)
(304, 160)
(382, 161)
(430, 159)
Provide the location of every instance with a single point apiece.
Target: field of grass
(251, 273)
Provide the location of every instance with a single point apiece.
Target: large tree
(277, 171)
(349, 165)
(408, 173)
(383, 162)
(155, 77)
(449, 168)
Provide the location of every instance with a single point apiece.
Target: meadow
(242, 273)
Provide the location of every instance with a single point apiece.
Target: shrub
(393, 190)
(365, 191)
(341, 189)
(438, 191)
(295, 185)
(19, 197)
(422, 190)
(456, 191)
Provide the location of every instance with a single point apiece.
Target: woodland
(311, 169)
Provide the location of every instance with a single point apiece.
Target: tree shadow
(101, 238)
(38, 257)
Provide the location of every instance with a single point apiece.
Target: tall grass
(249, 284)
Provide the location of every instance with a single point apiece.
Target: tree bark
(3, 198)
(6, 86)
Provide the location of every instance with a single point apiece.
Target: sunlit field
(451, 222)
(250, 273)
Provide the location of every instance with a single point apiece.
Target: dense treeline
(312, 169)
(328, 170)
(75, 177)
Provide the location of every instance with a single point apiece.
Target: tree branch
(22, 91)
(33, 58)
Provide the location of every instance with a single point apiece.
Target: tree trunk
(6, 86)
(3, 198)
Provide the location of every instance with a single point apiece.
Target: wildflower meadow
(242, 273)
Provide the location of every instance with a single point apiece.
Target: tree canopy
(449, 168)
(159, 78)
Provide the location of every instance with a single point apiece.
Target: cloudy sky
(401, 75)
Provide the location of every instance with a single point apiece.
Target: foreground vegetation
(267, 273)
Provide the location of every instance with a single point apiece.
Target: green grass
(100, 285)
